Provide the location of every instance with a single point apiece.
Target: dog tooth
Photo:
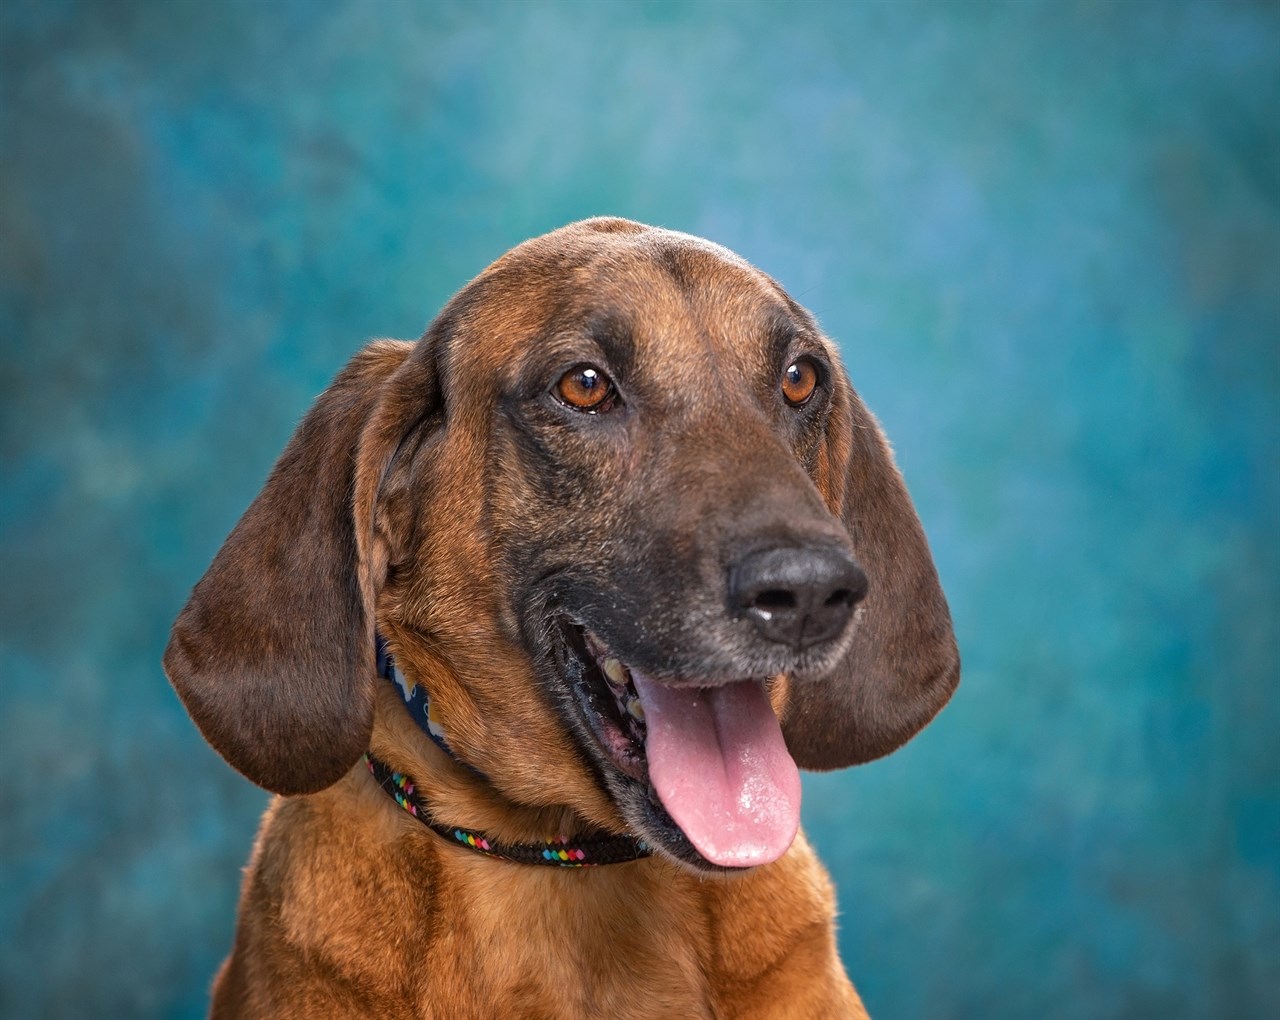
(635, 709)
(616, 673)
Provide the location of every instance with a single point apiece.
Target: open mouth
(610, 704)
(709, 761)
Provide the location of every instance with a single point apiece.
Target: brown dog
(617, 513)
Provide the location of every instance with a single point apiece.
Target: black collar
(581, 852)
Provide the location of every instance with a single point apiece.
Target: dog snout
(797, 596)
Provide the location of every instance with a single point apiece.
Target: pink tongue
(721, 769)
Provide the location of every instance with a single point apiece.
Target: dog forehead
(668, 293)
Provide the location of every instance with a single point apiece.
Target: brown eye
(799, 381)
(585, 388)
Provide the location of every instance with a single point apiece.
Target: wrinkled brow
(604, 337)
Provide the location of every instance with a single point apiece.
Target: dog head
(622, 511)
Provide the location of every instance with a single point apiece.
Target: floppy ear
(903, 663)
(273, 654)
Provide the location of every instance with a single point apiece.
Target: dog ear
(273, 655)
(903, 663)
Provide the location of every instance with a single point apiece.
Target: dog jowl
(621, 513)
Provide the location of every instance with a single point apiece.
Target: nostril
(774, 600)
(840, 597)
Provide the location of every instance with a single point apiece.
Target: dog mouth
(606, 694)
(703, 770)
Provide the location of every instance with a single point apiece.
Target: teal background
(1047, 237)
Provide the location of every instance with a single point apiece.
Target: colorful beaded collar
(580, 852)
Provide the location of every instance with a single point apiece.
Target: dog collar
(581, 852)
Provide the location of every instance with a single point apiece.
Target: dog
(581, 577)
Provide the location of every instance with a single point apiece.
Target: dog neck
(582, 850)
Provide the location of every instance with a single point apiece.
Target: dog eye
(586, 388)
(799, 381)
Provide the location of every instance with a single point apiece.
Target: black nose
(797, 596)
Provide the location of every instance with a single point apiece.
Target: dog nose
(797, 596)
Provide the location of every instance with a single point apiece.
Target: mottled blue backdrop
(1047, 236)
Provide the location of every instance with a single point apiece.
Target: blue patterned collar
(417, 703)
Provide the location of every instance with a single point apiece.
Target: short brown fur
(433, 488)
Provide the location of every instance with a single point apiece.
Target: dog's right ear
(273, 655)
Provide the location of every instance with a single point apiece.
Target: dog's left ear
(903, 664)
(273, 655)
